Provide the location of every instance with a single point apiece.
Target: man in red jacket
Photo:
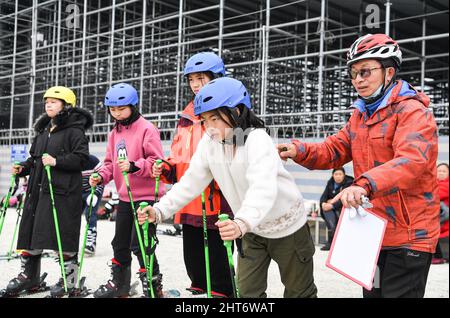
(391, 137)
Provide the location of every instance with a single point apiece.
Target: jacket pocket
(60, 183)
(404, 209)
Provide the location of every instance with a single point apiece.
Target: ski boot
(71, 267)
(29, 280)
(178, 229)
(218, 295)
(197, 292)
(119, 285)
(91, 241)
(156, 284)
(201, 293)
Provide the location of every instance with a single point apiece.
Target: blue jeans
(331, 219)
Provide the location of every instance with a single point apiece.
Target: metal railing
(286, 125)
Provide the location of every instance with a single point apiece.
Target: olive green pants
(294, 256)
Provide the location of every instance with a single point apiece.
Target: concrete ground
(169, 252)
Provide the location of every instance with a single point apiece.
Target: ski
(6, 257)
(41, 288)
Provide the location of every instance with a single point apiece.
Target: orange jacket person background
(391, 137)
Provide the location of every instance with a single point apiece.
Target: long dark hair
(239, 117)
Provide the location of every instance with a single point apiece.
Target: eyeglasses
(364, 72)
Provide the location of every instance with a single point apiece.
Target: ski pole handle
(123, 172)
(142, 205)
(224, 217)
(47, 168)
(158, 162)
(93, 176)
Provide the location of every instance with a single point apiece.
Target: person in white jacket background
(268, 207)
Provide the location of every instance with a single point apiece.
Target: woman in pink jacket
(138, 141)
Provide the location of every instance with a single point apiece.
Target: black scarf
(127, 122)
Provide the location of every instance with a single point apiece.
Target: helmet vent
(385, 51)
(57, 92)
(121, 97)
(245, 93)
(198, 63)
(207, 99)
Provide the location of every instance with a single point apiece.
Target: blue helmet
(204, 62)
(121, 94)
(224, 91)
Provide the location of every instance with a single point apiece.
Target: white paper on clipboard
(356, 246)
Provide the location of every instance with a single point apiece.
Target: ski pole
(19, 213)
(227, 244)
(205, 243)
(6, 199)
(136, 224)
(148, 267)
(158, 162)
(152, 256)
(94, 176)
(55, 219)
(145, 227)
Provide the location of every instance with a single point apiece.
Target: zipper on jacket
(406, 215)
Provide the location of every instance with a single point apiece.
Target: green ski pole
(94, 176)
(148, 266)
(19, 213)
(152, 244)
(55, 219)
(136, 223)
(6, 199)
(205, 243)
(227, 244)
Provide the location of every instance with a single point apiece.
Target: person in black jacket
(60, 132)
(330, 212)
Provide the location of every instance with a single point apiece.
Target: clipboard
(356, 246)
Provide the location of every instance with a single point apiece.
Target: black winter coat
(69, 145)
(330, 193)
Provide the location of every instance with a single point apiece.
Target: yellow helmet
(63, 93)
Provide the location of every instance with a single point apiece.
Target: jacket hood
(72, 117)
(188, 113)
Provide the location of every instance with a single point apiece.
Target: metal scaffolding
(290, 55)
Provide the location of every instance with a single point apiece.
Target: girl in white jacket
(269, 214)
